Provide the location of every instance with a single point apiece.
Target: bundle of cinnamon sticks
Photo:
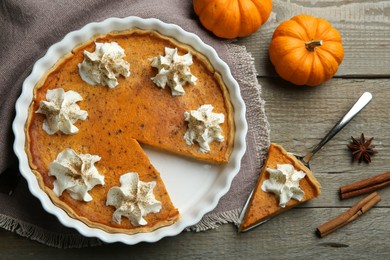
(365, 186)
(352, 190)
(353, 213)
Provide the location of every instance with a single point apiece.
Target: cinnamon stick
(353, 213)
(365, 186)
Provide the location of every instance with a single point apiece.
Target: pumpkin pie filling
(265, 205)
(135, 111)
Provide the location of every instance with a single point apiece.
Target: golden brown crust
(140, 229)
(174, 216)
(195, 96)
(229, 116)
(43, 149)
(169, 213)
(265, 205)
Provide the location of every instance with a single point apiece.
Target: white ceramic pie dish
(195, 193)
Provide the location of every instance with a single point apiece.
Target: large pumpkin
(232, 18)
(306, 50)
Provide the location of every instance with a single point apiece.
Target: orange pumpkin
(306, 50)
(232, 18)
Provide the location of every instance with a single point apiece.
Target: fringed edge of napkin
(214, 220)
(246, 69)
(54, 239)
(245, 73)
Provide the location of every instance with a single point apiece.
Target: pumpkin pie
(264, 205)
(119, 119)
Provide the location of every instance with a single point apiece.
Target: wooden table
(299, 117)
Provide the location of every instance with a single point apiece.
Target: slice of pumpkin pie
(284, 182)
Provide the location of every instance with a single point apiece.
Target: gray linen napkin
(28, 28)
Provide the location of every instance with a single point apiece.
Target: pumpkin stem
(313, 44)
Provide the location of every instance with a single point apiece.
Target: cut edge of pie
(265, 205)
(175, 213)
(229, 117)
(203, 59)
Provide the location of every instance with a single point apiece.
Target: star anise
(362, 149)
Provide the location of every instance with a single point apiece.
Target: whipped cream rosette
(61, 111)
(134, 199)
(76, 174)
(173, 70)
(284, 183)
(104, 65)
(203, 127)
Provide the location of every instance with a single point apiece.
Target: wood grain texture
(363, 25)
(299, 117)
(290, 235)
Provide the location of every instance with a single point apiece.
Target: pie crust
(136, 111)
(265, 205)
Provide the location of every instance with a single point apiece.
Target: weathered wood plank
(300, 117)
(364, 26)
(289, 235)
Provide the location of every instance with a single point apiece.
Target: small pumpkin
(306, 50)
(232, 18)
